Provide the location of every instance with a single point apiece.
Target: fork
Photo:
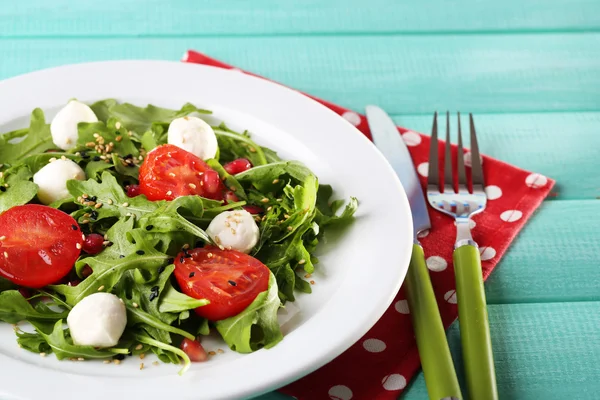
(461, 205)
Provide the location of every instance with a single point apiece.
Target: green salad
(128, 231)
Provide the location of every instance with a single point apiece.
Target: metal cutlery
(436, 360)
(461, 203)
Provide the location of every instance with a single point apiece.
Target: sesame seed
(156, 363)
(286, 216)
(106, 243)
(312, 282)
(217, 240)
(192, 186)
(257, 218)
(221, 247)
(302, 261)
(130, 133)
(169, 193)
(117, 362)
(264, 200)
(212, 353)
(135, 305)
(125, 204)
(232, 283)
(252, 150)
(85, 221)
(2, 237)
(96, 135)
(109, 201)
(101, 288)
(172, 175)
(142, 356)
(232, 231)
(106, 361)
(119, 138)
(98, 205)
(52, 159)
(6, 185)
(186, 246)
(139, 346)
(1, 174)
(90, 144)
(280, 200)
(220, 351)
(140, 252)
(307, 276)
(289, 228)
(63, 158)
(68, 141)
(191, 275)
(128, 214)
(141, 158)
(269, 208)
(118, 125)
(78, 245)
(42, 354)
(5, 254)
(275, 181)
(209, 255)
(141, 366)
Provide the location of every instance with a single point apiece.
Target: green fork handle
(436, 361)
(474, 326)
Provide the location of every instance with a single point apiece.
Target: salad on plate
(127, 230)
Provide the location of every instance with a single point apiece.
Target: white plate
(359, 274)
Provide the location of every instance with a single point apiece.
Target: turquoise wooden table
(529, 70)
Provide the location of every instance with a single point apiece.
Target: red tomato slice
(169, 172)
(38, 245)
(229, 279)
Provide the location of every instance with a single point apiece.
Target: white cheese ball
(64, 125)
(194, 135)
(234, 230)
(52, 180)
(98, 320)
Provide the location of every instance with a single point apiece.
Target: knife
(436, 360)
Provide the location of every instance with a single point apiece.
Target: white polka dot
(450, 296)
(185, 56)
(467, 158)
(402, 307)
(340, 392)
(423, 234)
(436, 263)
(352, 117)
(493, 192)
(411, 138)
(374, 345)
(511, 215)
(423, 169)
(536, 181)
(487, 253)
(394, 382)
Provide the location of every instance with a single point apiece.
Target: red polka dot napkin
(381, 363)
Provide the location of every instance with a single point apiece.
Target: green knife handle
(474, 325)
(436, 361)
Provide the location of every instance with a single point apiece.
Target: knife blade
(436, 360)
(388, 140)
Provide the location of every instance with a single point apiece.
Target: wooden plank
(35, 18)
(564, 146)
(554, 259)
(403, 74)
(542, 351)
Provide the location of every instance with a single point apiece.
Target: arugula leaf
(156, 344)
(60, 343)
(94, 169)
(257, 325)
(20, 189)
(230, 181)
(89, 132)
(326, 211)
(173, 301)
(109, 191)
(101, 109)
(33, 342)
(38, 140)
(154, 137)
(234, 145)
(14, 308)
(136, 316)
(262, 177)
(141, 119)
(35, 162)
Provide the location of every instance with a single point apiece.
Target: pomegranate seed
(86, 271)
(253, 209)
(25, 293)
(93, 243)
(212, 185)
(133, 190)
(230, 197)
(237, 166)
(75, 282)
(194, 350)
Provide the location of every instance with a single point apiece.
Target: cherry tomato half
(38, 245)
(229, 279)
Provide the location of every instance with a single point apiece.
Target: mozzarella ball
(98, 320)
(64, 125)
(52, 180)
(194, 135)
(234, 230)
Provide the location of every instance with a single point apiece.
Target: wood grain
(110, 18)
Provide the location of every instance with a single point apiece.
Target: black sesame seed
(74, 227)
(232, 283)
(96, 158)
(140, 252)
(121, 256)
(109, 244)
(153, 295)
(191, 275)
(181, 259)
(149, 227)
(154, 289)
(94, 214)
(92, 198)
(161, 269)
(170, 261)
(127, 156)
(117, 133)
(2, 189)
(84, 155)
(119, 357)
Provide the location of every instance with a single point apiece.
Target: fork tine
(433, 174)
(460, 159)
(448, 182)
(476, 169)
